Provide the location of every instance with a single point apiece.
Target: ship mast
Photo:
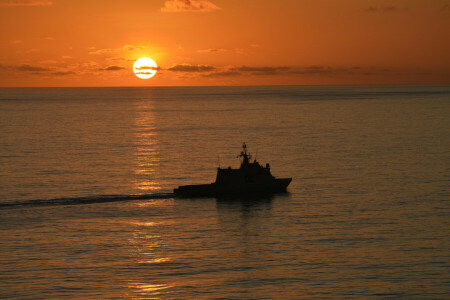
(245, 155)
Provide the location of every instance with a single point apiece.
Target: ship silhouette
(250, 178)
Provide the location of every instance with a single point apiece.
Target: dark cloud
(73, 69)
(191, 68)
(119, 59)
(64, 73)
(108, 51)
(112, 68)
(26, 3)
(261, 70)
(445, 7)
(188, 5)
(224, 74)
(36, 70)
(385, 9)
(28, 68)
(212, 50)
(324, 70)
(144, 68)
(289, 71)
(313, 70)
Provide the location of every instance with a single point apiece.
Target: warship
(250, 178)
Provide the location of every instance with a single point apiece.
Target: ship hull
(215, 189)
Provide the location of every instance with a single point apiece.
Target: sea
(87, 209)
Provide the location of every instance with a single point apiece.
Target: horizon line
(250, 85)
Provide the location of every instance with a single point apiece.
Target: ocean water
(87, 210)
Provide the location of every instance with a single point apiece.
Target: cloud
(385, 9)
(117, 58)
(94, 51)
(212, 71)
(73, 69)
(131, 47)
(191, 68)
(446, 7)
(327, 70)
(26, 3)
(261, 70)
(28, 68)
(144, 68)
(88, 66)
(188, 5)
(16, 41)
(103, 51)
(314, 70)
(212, 50)
(112, 68)
(224, 74)
(222, 50)
(48, 61)
(63, 73)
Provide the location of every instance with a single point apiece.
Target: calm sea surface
(87, 210)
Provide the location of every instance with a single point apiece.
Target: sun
(145, 68)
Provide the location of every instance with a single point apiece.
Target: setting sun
(145, 68)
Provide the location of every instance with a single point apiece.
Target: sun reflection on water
(148, 251)
(146, 241)
(149, 290)
(147, 149)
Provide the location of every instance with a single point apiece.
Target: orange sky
(224, 42)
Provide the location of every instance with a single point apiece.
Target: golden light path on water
(148, 249)
(146, 239)
(146, 147)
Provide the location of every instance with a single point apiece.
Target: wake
(87, 200)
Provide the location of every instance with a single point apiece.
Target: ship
(250, 178)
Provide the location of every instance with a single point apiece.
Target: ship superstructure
(251, 177)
